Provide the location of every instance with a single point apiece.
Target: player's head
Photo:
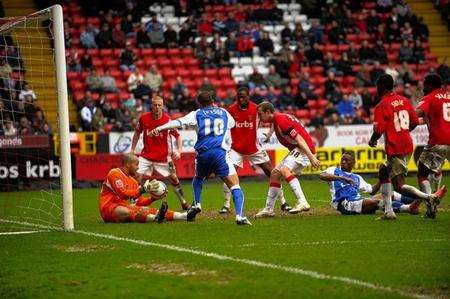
(242, 97)
(157, 106)
(265, 112)
(348, 161)
(431, 83)
(131, 163)
(205, 99)
(385, 84)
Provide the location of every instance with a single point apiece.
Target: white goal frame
(55, 13)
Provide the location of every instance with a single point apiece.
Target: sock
(416, 193)
(435, 180)
(238, 198)
(386, 192)
(143, 215)
(179, 216)
(226, 196)
(179, 192)
(272, 194)
(425, 185)
(281, 197)
(295, 186)
(197, 184)
(169, 215)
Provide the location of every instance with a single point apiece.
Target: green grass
(410, 255)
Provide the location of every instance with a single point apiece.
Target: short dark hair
(205, 98)
(350, 153)
(266, 106)
(243, 89)
(433, 80)
(385, 82)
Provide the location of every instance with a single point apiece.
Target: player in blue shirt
(213, 144)
(345, 187)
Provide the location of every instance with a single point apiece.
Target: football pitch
(318, 254)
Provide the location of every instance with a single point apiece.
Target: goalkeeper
(121, 198)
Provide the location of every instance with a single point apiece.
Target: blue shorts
(215, 161)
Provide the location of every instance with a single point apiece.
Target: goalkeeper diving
(122, 200)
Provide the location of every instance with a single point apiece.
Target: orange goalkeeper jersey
(118, 188)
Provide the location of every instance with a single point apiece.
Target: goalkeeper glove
(151, 186)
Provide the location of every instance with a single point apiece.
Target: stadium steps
(39, 71)
(439, 34)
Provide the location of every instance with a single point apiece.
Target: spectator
(231, 43)
(419, 52)
(134, 80)
(108, 82)
(366, 53)
(273, 79)
(153, 25)
(128, 58)
(367, 100)
(13, 58)
(444, 71)
(24, 127)
(405, 73)
(355, 98)
(156, 36)
(353, 54)
(376, 72)
(86, 62)
(240, 14)
(331, 83)
(344, 65)
(362, 78)
(185, 35)
(88, 37)
(286, 34)
(244, 45)
(391, 70)
(231, 25)
(5, 69)
(118, 37)
(320, 132)
(73, 62)
(170, 37)
(93, 82)
(265, 44)
(98, 121)
(204, 26)
(358, 119)
(142, 38)
(127, 25)
(178, 88)
(104, 37)
(380, 52)
(421, 30)
(9, 128)
(286, 99)
(218, 25)
(27, 92)
(407, 32)
(153, 79)
(314, 55)
(336, 35)
(207, 86)
(222, 57)
(329, 65)
(345, 107)
(286, 53)
(405, 53)
(305, 84)
(38, 120)
(108, 112)
(209, 59)
(393, 33)
(315, 32)
(256, 79)
(45, 129)
(87, 115)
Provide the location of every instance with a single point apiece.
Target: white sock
(281, 196)
(226, 196)
(179, 216)
(179, 192)
(295, 186)
(404, 208)
(386, 192)
(151, 217)
(425, 186)
(272, 195)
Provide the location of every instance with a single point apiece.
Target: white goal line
(26, 232)
(260, 264)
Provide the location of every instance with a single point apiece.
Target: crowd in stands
(20, 113)
(322, 70)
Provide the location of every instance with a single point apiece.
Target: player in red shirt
(158, 151)
(121, 198)
(435, 108)
(246, 145)
(291, 133)
(395, 117)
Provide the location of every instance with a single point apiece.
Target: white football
(162, 189)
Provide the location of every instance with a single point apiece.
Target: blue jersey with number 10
(213, 126)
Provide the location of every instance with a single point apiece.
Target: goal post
(39, 38)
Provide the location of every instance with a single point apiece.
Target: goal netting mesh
(32, 80)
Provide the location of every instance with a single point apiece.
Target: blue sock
(396, 205)
(197, 184)
(406, 200)
(238, 198)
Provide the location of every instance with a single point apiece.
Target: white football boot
(266, 212)
(300, 207)
(388, 216)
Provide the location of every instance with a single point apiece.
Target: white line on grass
(308, 273)
(23, 232)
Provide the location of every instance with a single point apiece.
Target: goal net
(35, 166)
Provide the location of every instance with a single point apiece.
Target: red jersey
(156, 148)
(287, 128)
(436, 107)
(394, 115)
(244, 133)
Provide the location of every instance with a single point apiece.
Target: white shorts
(350, 207)
(259, 157)
(147, 167)
(295, 161)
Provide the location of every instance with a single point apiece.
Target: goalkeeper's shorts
(108, 215)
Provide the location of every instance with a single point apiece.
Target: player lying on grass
(213, 126)
(158, 153)
(345, 187)
(435, 109)
(291, 133)
(395, 117)
(245, 143)
(121, 198)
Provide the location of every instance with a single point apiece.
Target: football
(160, 191)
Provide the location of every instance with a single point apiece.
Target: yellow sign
(368, 159)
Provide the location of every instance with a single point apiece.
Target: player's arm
(301, 143)
(188, 120)
(136, 135)
(178, 144)
(366, 187)
(269, 134)
(119, 185)
(379, 126)
(330, 177)
(413, 118)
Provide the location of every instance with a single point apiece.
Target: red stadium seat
(322, 103)
(159, 52)
(211, 73)
(224, 72)
(117, 52)
(192, 62)
(197, 73)
(183, 73)
(177, 62)
(186, 52)
(93, 52)
(302, 113)
(312, 104)
(147, 52)
(173, 52)
(106, 53)
(164, 62)
(73, 76)
(110, 63)
(150, 61)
